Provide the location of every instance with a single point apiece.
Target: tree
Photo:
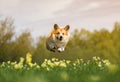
(22, 45)
(6, 34)
(6, 31)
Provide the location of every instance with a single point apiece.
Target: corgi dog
(58, 38)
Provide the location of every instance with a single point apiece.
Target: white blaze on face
(60, 36)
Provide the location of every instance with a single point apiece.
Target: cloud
(39, 15)
(31, 10)
(96, 7)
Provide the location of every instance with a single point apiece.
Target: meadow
(88, 57)
(55, 70)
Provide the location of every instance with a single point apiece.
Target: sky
(39, 16)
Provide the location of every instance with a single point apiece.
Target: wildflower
(81, 60)
(43, 64)
(45, 60)
(49, 62)
(3, 64)
(98, 58)
(56, 63)
(30, 64)
(13, 63)
(37, 66)
(67, 61)
(106, 62)
(95, 58)
(8, 62)
(28, 58)
(48, 69)
(18, 66)
(54, 59)
(62, 64)
(21, 60)
(99, 64)
(52, 65)
(74, 64)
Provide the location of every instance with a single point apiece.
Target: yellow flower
(43, 64)
(45, 60)
(54, 59)
(30, 64)
(48, 69)
(8, 62)
(67, 61)
(98, 58)
(18, 66)
(62, 64)
(106, 62)
(21, 60)
(95, 58)
(74, 64)
(56, 63)
(3, 64)
(28, 58)
(99, 64)
(50, 63)
(13, 63)
(37, 66)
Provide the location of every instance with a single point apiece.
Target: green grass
(54, 70)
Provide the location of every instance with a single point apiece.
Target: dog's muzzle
(60, 38)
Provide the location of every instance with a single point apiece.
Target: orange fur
(57, 39)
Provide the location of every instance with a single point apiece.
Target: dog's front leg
(61, 49)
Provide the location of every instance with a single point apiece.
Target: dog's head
(61, 34)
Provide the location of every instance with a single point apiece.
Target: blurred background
(94, 28)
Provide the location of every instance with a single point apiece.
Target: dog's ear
(67, 27)
(56, 26)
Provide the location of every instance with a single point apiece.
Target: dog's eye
(58, 32)
(62, 33)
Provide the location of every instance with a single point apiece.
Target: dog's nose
(61, 37)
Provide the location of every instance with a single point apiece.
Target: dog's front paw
(60, 49)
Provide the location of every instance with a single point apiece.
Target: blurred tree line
(82, 44)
